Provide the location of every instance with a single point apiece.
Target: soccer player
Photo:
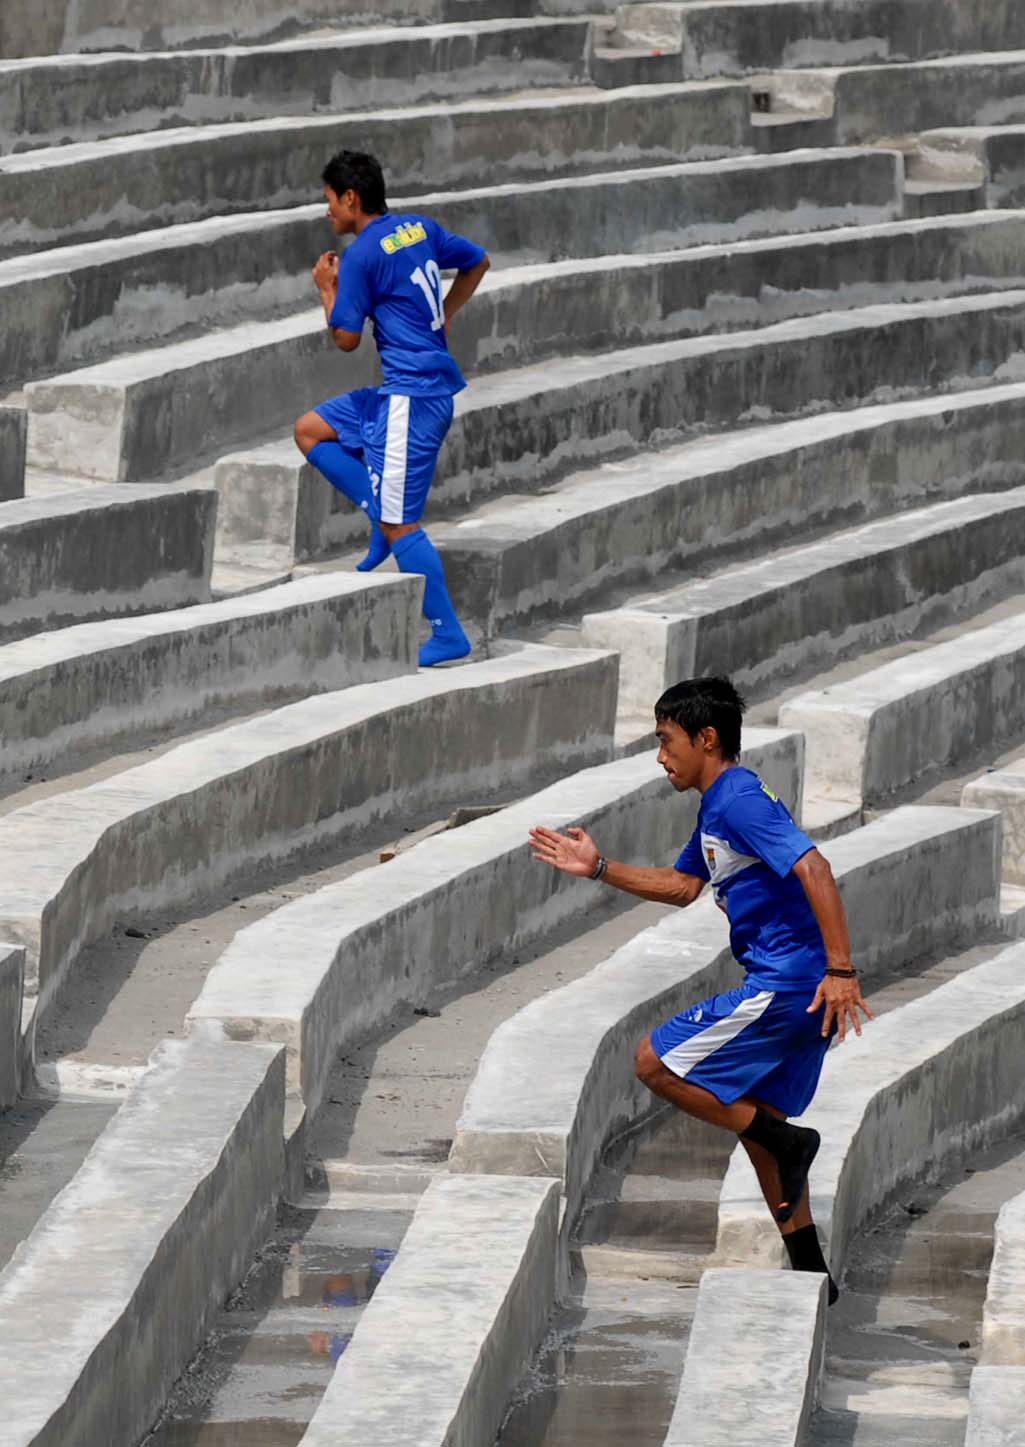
(747, 1059)
(379, 445)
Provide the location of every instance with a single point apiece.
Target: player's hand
(842, 1000)
(574, 852)
(325, 271)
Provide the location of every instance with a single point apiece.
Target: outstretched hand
(842, 1000)
(574, 852)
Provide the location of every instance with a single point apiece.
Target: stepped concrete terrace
(1004, 789)
(804, 608)
(131, 183)
(698, 41)
(96, 687)
(990, 157)
(875, 734)
(269, 788)
(96, 553)
(518, 561)
(522, 429)
(78, 304)
(190, 1169)
(74, 98)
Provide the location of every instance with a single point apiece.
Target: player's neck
(712, 770)
(365, 219)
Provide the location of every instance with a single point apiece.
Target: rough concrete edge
(781, 1321)
(12, 981)
(995, 1402)
(111, 1371)
(440, 1349)
(1003, 1316)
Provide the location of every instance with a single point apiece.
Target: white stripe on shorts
(683, 1057)
(393, 476)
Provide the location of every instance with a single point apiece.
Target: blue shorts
(399, 439)
(749, 1041)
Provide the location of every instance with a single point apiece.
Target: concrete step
(989, 156)
(69, 98)
(858, 104)
(12, 977)
(92, 689)
(520, 561)
(934, 198)
(1004, 790)
(342, 935)
(189, 1168)
(526, 428)
(13, 437)
(738, 37)
(804, 608)
(78, 304)
(899, 724)
(133, 183)
(100, 552)
(272, 787)
(62, 26)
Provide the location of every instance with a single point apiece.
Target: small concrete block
(1003, 1319)
(454, 1323)
(754, 1355)
(12, 979)
(995, 1400)
(189, 1169)
(1004, 790)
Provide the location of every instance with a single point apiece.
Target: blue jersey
(392, 274)
(746, 844)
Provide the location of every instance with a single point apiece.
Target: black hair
(357, 171)
(702, 703)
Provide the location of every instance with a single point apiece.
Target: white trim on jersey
(683, 1057)
(723, 861)
(393, 474)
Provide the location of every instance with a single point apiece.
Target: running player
(746, 1059)
(379, 445)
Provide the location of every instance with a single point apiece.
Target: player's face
(342, 211)
(682, 757)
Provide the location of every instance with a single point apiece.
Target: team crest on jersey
(407, 235)
(710, 857)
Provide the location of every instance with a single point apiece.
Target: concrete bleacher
(733, 406)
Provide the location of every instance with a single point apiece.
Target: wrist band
(843, 974)
(598, 872)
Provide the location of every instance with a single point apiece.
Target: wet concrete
(907, 1331)
(264, 1368)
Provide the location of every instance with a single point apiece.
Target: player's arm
(325, 278)
(840, 995)
(575, 852)
(463, 287)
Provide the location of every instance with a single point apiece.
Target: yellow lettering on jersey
(407, 235)
(772, 796)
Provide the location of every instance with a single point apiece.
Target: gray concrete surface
(75, 305)
(98, 685)
(13, 436)
(453, 904)
(70, 98)
(717, 38)
(1003, 1323)
(990, 156)
(626, 524)
(12, 974)
(872, 736)
(805, 608)
(926, 1084)
(132, 183)
(994, 1411)
(1003, 789)
(556, 1080)
(189, 1169)
(449, 1331)
(273, 786)
(752, 1367)
(99, 552)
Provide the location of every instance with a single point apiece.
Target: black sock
(805, 1254)
(793, 1147)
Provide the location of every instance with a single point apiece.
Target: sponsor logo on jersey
(772, 796)
(408, 235)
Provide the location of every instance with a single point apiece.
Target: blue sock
(350, 476)
(415, 553)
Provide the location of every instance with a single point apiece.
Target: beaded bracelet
(843, 974)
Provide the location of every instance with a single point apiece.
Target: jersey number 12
(430, 285)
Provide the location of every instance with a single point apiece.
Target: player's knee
(307, 433)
